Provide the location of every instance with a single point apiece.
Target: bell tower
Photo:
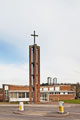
(34, 71)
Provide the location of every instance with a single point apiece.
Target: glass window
(22, 95)
(66, 93)
(57, 88)
(6, 87)
(51, 89)
(40, 89)
(45, 89)
(19, 95)
(13, 95)
(27, 95)
(6, 94)
(61, 93)
(57, 92)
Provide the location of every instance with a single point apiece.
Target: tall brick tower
(34, 71)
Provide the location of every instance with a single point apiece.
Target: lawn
(75, 101)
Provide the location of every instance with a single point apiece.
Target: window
(57, 88)
(66, 93)
(40, 89)
(6, 87)
(19, 95)
(61, 93)
(13, 95)
(37, 55)
(31, 68)
(51, 93)
(57, 92)
(32, 80)
(51, 89)
(45, 89)
(27, 95)
(69, 92)
(6, 94)
(37, 79)
(36, 69)
(22, 95)
(31, 54)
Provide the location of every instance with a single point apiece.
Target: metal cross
(34, 36)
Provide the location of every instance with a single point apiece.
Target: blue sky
(57, 22)
(10, 54)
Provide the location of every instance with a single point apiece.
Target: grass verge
(75, 101)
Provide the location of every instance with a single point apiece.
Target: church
(36, 92)
(17, 93)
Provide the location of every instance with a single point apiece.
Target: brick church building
(16, 93)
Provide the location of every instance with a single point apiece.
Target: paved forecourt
(39, 112)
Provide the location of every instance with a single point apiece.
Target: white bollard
(61, 107)
(21, 106)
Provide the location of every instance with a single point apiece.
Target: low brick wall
(61, 97)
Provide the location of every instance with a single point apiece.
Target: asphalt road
(38, 112)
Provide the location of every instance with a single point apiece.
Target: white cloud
(58, 24)
(65, 69)
(14, 74)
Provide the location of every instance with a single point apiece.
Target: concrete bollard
(61, 107)
(21, 106)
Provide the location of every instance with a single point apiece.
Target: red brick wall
(33, 83)
(1, 97)
(15, 87)
(61, 97)
(62, 87)
(65, 87)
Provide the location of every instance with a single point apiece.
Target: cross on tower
(34, 35)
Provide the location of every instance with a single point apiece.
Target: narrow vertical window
(31, 54)
(37, 55)
(36, 69)
(32, 69)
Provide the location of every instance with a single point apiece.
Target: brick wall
(12, 87)
(15, 87)
(61, 97)
(62, 87)
(1, 97)
(1, 94)
(65, 87)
